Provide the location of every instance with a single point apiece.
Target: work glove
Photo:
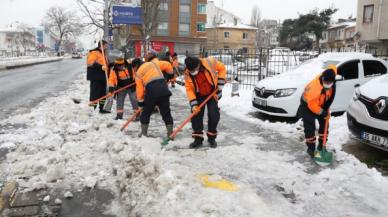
(111, 90)
(219, 94)
(195, 110)
(324, 114)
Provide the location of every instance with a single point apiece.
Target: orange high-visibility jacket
(316, 97)
(123, 80)
(95, 61)
(215, 73)
(150, 79)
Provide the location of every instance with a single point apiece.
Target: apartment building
(372, 25)
(340, 36)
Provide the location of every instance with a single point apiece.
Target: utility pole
(106, 20)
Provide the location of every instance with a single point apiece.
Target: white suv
(368, 113)
(280, 95)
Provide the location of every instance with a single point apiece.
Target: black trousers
(309, 118)
(213, 113)
(97, 90)
(164, 106)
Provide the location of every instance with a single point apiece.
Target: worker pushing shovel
(317, 98)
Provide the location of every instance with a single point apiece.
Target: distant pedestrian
(121, 76)
(202, 78)
(315, 105)
(97, 75)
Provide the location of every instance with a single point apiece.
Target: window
(162, 29)
(245, 35)
(184, 9)
(201, 8)
(163, 6)
(368, 14)
(226, 34)
(200, 27)
(349, 70)
(373, 68)
(184, 29)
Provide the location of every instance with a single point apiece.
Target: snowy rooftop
(232, 26)
(344, 24)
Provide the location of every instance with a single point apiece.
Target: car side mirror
(339, 78)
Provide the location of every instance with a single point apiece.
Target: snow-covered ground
(20, 61)
(68, 146)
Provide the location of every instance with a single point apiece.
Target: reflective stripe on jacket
(215, 74)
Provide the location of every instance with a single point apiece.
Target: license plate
(374, 139)
(261, 102)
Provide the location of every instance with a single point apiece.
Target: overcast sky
(32, 11)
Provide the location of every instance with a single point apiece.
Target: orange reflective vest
(94, 62)
(150, 79)
(215, 74)
(316, 97)
(124, 78)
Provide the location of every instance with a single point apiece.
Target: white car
(280, 95)
(368, 113)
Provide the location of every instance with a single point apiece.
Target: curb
(29, 64)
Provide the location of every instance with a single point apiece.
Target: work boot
(170, 129)
(102, 111)
(197, 142)
(311, 150)
(119, 116)
(212, 142)
(144, 130)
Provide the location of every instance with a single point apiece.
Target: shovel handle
(133, 117)
(326, 130)
(110, 94)
(173, 135)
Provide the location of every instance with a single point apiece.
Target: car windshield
(329, 62)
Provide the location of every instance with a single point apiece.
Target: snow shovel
(324, 157)
(109, 102)
(133, 117)
(173, 135)
(111, 94)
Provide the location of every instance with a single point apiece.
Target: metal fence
(252, 65)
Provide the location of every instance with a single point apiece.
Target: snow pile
(67, 145)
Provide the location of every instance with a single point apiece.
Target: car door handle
(357, 85)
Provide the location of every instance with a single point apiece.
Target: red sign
(159, 46)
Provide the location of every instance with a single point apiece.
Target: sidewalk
(16, 62)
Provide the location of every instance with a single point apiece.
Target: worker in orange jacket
(120, 76)
(315, 105)
(152, 90)
(175, 65)
(202, 78)
(96, 74)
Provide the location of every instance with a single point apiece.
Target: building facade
(16, 42)
(216, 15)
(340, 36)
(268, 34)
(231, 36)
(181, 28)
(372, 25)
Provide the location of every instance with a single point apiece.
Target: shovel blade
(323, 158)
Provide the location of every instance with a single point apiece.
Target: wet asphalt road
(23, 88)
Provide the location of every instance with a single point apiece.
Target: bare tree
(93, 14)
(62, 23)
(25, 37)
(256, 16)
(150, 15)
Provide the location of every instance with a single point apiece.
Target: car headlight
(356, 94)
(284, 92)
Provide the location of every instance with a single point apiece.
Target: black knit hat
(328, 75)
(191, 63)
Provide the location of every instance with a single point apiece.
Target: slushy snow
(68, 146)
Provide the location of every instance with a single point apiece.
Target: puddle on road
(371, 156)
